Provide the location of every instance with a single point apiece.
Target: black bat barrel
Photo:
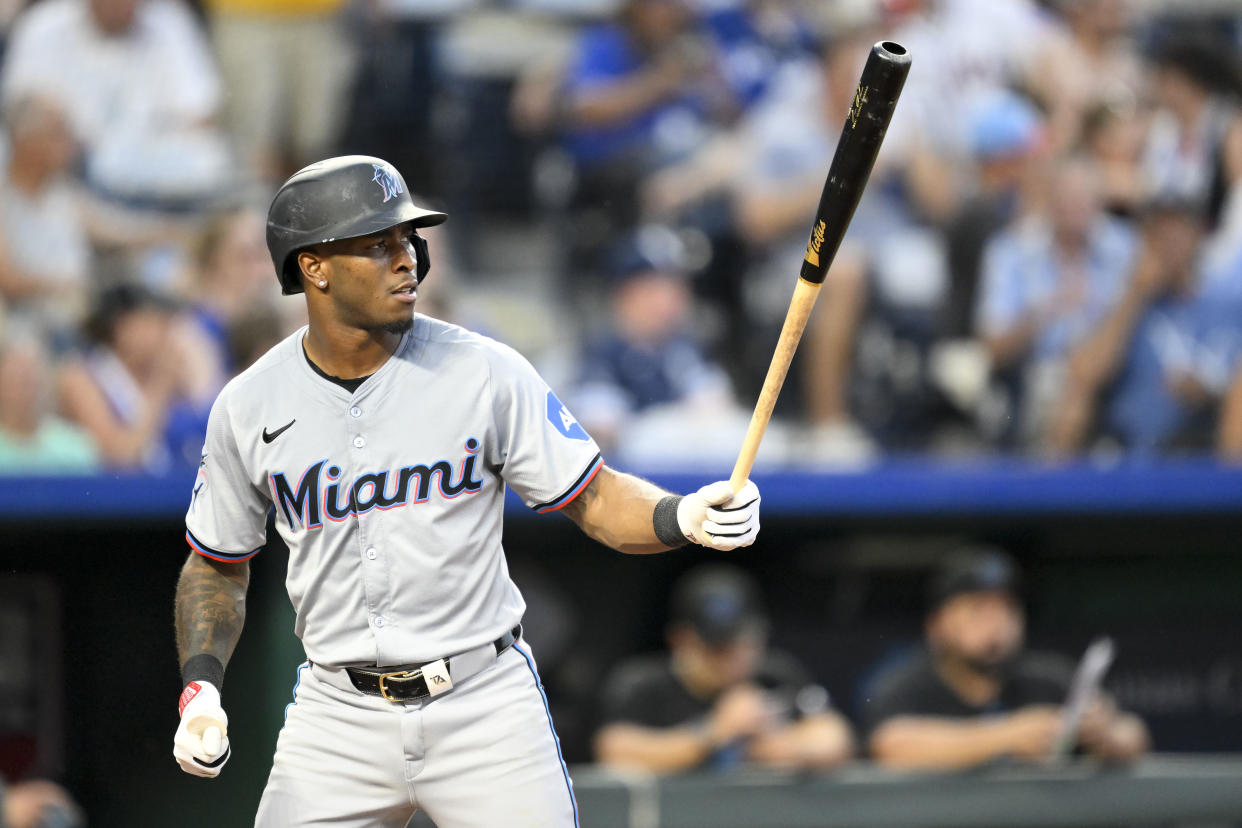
(865, 125)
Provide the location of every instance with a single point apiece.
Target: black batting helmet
(340, 198)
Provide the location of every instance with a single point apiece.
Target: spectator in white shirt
(288, 67)
(45, 256)
(139, 89)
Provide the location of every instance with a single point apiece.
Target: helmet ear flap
(424, 259)
(291, 276)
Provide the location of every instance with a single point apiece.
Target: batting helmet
(340, 198)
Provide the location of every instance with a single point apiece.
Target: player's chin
(397, 323)
(400, 305)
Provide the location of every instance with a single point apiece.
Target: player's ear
(313, 269)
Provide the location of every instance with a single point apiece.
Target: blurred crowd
(1047, 260)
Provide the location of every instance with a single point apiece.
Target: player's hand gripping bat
(865, 125)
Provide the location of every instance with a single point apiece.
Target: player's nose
(404, 258)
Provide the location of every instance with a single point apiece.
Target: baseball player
(382, 441)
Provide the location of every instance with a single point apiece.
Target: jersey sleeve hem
(226, 557)
(575, 489)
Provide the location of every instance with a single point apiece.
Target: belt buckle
(398, 674)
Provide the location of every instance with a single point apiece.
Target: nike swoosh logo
(269, 436)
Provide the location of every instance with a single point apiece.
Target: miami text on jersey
(320, 491)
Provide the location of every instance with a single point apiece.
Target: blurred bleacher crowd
(1047, 261)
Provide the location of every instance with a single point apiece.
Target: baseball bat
(865, 124)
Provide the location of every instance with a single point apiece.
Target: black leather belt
(410, 684)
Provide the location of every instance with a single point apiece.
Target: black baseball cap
(973, 569)
(719, 602)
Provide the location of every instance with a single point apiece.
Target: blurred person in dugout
(974, 694)
(1151, 375)
(38, 803)
(646, 388)
(33, 440)
(140, 92)
(720, 697)
(45, 252)
(287, 66)
(1047, 281)
(130, 389)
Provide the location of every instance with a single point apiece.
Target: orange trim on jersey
(564, 501)
(218, 556)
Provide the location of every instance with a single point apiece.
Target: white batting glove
(714, 516)
(201, 746)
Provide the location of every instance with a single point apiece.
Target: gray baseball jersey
(390, 498)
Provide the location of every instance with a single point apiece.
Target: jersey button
(359, 441)
(370, 553)
(379, 621)
(355, 411)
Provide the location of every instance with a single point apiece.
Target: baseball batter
(383, 440)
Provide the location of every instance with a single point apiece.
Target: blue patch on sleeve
(563, 421)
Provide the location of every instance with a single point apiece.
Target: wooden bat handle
(805, 294)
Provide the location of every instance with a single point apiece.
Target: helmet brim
(290, 283)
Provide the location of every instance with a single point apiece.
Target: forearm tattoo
(210, 608)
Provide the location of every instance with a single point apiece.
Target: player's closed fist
(714, 516)
(201, 746)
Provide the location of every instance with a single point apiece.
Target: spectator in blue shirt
(755, 37)
(640, 92)
(637, 88)
(1048, 281)
(647, 361)
(1164, 356)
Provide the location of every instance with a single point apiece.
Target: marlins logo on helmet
(388, 181)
